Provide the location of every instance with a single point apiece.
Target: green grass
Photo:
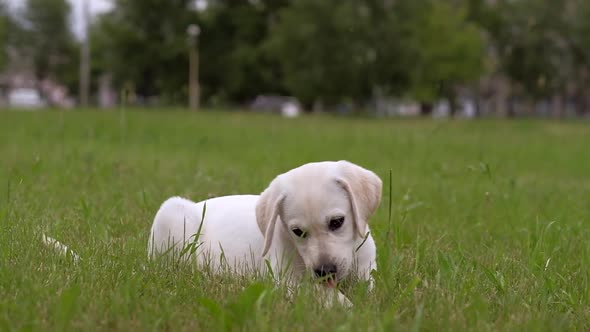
(490, 223)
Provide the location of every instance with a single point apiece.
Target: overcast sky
(77, 18)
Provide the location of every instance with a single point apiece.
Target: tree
(6, 24)
(388, 61)
(236, 64)
(143, 43)
(322, 51)
(446, 50)
(50, 40)
(346, 49)
(579, 41)
(532, 41)
(580, 37)
(152, 35)
(343, 51)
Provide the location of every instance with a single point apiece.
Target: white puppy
(312, 219)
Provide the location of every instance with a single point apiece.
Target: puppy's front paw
(331, 297)
(344, 301)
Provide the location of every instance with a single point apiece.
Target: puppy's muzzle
(326, 271)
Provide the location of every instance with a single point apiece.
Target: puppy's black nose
(325, 270)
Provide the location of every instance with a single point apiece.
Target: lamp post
(84, 87)
(193, 32)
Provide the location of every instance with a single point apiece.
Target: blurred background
(444, 58)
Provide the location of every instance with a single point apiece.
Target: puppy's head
(324, 208)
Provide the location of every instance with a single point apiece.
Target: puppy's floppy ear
(364, 191)
(268, 210)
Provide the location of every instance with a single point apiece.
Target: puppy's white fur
(60, 248)
(242, 231)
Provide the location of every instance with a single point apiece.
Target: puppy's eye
(299, 233)
(335, 223)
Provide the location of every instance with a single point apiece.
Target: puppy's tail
(60, 248)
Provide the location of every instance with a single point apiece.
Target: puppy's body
(230, 237)
(229, 228)
(310, 219)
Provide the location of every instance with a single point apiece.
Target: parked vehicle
(286, 106)
(25, 98)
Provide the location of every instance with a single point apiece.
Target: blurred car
(25, 98)
(286, 106)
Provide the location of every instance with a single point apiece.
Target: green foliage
(235, 64)
(532, 37)
(347, 49)
(5, 29)
(445, 49)
(321, 49)
(329, 51)
(48, 39)
(152, 37)
(488, 227)
(580, 40)
(144, 45)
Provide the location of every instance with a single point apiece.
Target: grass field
(490, 224)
